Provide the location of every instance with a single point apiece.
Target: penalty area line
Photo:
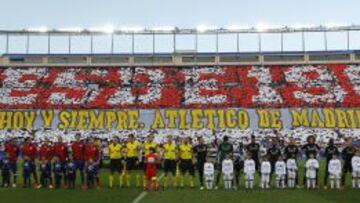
(144, 193)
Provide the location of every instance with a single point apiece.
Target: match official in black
(254, 148)
(347, 154)
(311, 148)
(292, 151)
(201, 150)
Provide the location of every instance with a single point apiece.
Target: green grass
(256, 196)
(172, 195)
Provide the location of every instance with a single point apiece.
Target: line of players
(57, 166)
(284, 165)
(178, 159)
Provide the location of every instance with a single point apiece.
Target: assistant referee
(116, 165)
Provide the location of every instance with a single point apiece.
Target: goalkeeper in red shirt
(151, 161)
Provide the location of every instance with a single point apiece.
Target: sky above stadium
(19, 14)
(184, 13)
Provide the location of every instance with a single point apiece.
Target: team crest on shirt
(151, 160)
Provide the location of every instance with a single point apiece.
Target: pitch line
(144, 193)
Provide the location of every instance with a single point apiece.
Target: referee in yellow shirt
(170, 151)
(186, 161)
(148, 145)
(132, 149)
(116, 166)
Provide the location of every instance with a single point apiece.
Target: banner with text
(238, 118)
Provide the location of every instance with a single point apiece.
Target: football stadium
(195, 113)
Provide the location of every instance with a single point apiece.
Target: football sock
(121, 179)
(181, 177)
(15, 179)
(111, 179)
(138, 180)
(175, 180)
(165, 183)
(97, 181)
(128, 180)
(337, 184)
(354, 183)
(155, 183)
(191, 181)
(82, 177)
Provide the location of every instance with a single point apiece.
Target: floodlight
(38, 29)
(131, 29)
(302, 26)
(204, 28)
(237, 27)
(164, 28)
(71, 29)
(109, 29)
(262, 27)
(335, 25)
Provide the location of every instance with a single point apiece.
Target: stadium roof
(203, 29)
(347, 40)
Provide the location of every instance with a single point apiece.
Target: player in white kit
(249, 171)
(209, 174)
(355, 163)
(312, 167)
(265, 170)
(280, 172)
(228, 172)
(335, 169)
(292, 170)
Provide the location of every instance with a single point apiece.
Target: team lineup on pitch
(59, 162)
(203, 154)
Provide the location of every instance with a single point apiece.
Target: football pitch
(173, 195)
